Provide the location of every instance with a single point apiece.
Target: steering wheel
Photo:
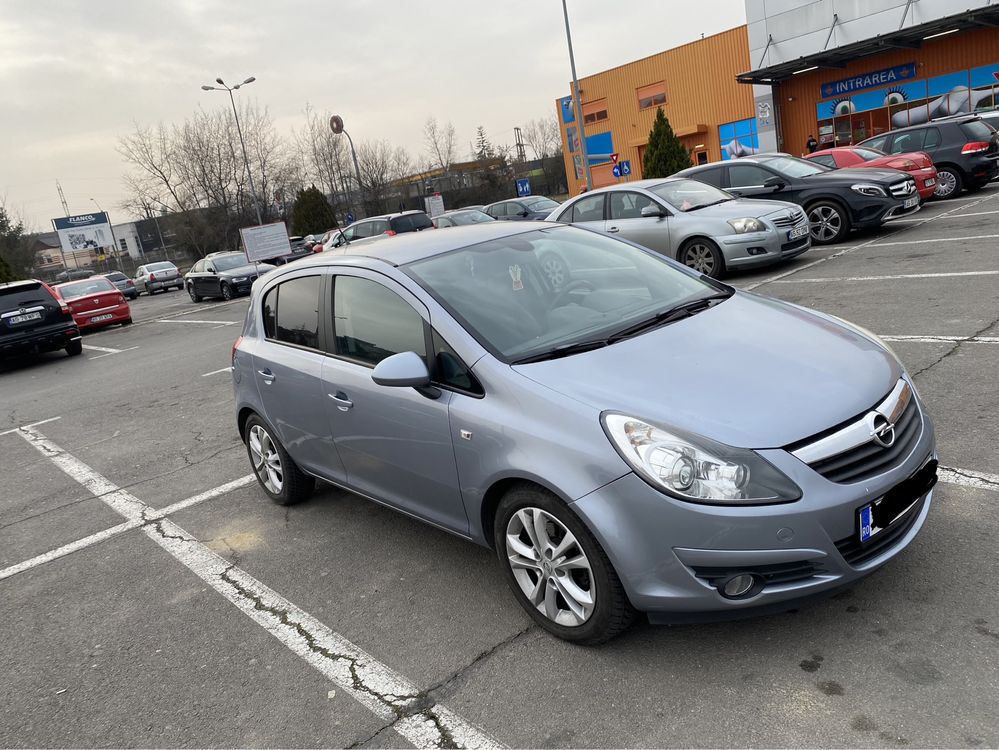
(569, 288)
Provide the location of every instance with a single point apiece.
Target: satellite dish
(336, 124)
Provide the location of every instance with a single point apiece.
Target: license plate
(99, 318)
(930, 182)
(25, 318)
(910, 202)
(798, 232)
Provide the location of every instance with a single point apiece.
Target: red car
(916, 163)
(94, 302)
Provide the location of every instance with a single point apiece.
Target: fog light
(738, 585)
(757, 251)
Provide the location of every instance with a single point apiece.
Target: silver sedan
(699, 225)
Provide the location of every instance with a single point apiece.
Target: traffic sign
(615, 157)
(617, 171)
(523, 188)
(350, 218)
(625, 168)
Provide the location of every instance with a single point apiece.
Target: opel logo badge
(883, 431)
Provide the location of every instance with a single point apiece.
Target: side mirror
(650, 211)
(774, 182)
(403, 370)
(524, 213)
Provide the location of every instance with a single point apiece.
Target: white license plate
(910, 202)
(930, 182)
(99, 318)
(798, 232)
(25, 318)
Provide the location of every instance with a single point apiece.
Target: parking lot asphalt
(151, 595)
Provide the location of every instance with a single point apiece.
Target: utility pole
(578, 102)
(521, 153)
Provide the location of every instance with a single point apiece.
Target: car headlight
(867, 189)
(742, 226)
(238, 279)
(694, 468)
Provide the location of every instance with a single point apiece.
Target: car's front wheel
(557, 570)
(703, 256)
(227, 293)
(829, 222)
(278, 475)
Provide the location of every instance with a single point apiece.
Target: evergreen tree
(5, 273)
(483, 148)
(665, 154)
(311, 212)
(15, 249)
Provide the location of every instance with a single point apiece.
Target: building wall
(701, 95)
(127, 237)
(802, 99)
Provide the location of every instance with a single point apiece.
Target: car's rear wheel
(195, 297)
(557, 570)
(829, 222)
(74, 348)
(277, 474)
(703, 256)
(227, 293)
(949, 183)
(126, 322)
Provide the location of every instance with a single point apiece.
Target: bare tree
(439, 141)
(543, 136)
(324, 156)
(382, 166)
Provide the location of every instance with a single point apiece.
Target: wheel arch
(497, 491)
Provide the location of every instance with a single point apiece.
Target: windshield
(791, 166)
(687, 195)
(75, 289)
(531, 292)
(228, 262)
(161, 267)
(868, 154)
(540, 204)
(470, 217)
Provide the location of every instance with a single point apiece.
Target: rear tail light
(152, 277)
(235, 346)
(129, 283)
(904, 164)
(975, 147)
(390, 232)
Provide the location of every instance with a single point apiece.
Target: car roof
(953, 120)
(518, 200)
(396, 215)
(411, 246)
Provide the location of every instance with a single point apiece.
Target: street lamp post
(235, 114)
(578, 102)
(336, 125)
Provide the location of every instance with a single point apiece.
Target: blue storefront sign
(568, 113)
(886, 77)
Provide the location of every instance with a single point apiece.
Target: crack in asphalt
(973, 477)
(953, 349)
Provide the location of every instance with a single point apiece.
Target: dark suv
(32, 319)
(965, 151)
(836, 200)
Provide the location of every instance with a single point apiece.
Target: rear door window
(590, 208)
(291, 312)
(878, 144)
(908, 141)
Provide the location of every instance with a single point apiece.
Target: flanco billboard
(85, 232)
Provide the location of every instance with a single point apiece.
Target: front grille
(776, 573)
(856, 552)
(870, 459)
(903, 189)
(790, 220)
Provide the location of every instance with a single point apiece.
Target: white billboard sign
(434, 204)
(83, 233)
(265, 241)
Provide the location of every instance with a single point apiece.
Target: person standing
(812, 145)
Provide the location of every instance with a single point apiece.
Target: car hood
(851, 175)
(742, 208)
(751, 372)
(248, 270)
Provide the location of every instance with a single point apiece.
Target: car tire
(702, 255)
(126, 322)
(950, 183)
(829, 222)
(227, 293)
(74, 348)
(549, 584)
(555, 270)
(195, 297)
(276, 473)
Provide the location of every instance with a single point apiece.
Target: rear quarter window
(976, 130)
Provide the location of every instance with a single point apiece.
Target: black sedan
(531, 208)
(224, 275)
(836, 200)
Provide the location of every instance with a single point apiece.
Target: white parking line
(33, 424)
(107, 350)
(948, 216)
(384, 692)
(936, 239)
(211, 322)
(942, 339)
(888, 277)
(216, 372)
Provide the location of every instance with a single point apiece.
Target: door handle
(340, 399)
(613, 230)
(267, 375)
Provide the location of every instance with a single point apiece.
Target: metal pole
(357, 167)
(579, 103)
(246, 160)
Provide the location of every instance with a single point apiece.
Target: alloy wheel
(226, 292)
(190, 291)
(550, 567)
(946, 184)
(826, 222)
(700, 257)
(266, 459)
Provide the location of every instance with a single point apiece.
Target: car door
(209, 280)
(395, 443)
(287, 367)
(140, 279)
(193, 276)
(588, 212)
(747, 180)
(624, 218)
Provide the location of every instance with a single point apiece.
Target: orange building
(696, 86)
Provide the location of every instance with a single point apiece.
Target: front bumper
(755, 249)
(869, 212)
(665, 550)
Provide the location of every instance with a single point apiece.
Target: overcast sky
(76, 74)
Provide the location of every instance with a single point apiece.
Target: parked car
(72, 274)
(965, 151)
(327, 239)
(643, 439)
(95, 303)
(835, 201)
(476, 207)
(531, 208)
(460, 218)
(156, 277)
(698, 224)
(225, 275)
(122, 283)
(373, 227)
(34, 319)
(917, 163)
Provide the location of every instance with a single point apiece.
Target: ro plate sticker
(865, 524)
(515, 275)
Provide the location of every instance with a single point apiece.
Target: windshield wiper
(665, 317)
(563, 350)
(712, 203)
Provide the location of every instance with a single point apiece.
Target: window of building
(372, 322)
(652, 95)
(124, 245)
(595, 111)
(291, 312)
(738, 138)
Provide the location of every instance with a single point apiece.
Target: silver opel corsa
(640, 439)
